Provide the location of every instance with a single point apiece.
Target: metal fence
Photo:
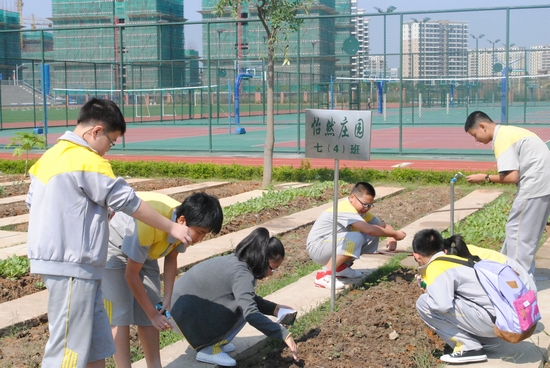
(420, 73)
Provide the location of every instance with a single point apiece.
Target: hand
(391, 244)
(476, 178)
(181, 232)
(293, 348)
(160, 322)
(400, 235)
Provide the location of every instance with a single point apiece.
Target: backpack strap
(469, 263)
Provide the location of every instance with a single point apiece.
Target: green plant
(486, 228)
(14, 267)
(39, 285)
(24, 142)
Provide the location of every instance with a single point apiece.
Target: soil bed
(373, 327)
(25, 345)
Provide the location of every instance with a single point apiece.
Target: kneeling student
(132, 278)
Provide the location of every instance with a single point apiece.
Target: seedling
(24, 142)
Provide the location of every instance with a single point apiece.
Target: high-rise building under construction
(149, 56)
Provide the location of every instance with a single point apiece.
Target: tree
(279, 19)
(24, 142)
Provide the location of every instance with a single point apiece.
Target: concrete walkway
(305, 297)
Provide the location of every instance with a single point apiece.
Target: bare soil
(356, 338)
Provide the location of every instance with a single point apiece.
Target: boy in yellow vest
(131, 282)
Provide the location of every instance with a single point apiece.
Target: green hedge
(304, 173)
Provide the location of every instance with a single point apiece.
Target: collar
(76, 139)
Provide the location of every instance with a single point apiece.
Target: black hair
(456, 246)
(427, 242)
(475, 118)
(257, 249)
(362, 188)
(102, 112)
(201, 209)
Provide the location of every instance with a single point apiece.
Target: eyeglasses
(366, 205)
(111, 143)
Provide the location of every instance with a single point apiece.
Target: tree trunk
(270, 129)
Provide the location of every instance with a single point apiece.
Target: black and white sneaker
(460, 357)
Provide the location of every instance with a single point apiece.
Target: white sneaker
(323, 280)
(348, 272)
(228, 348)
(219, 359)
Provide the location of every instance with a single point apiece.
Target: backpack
(516, 307)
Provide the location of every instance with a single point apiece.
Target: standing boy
(131, 283)
(72, 188)
(358, 232)
(522, 159)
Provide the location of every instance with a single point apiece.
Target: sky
(527, 27)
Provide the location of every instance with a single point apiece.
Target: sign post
(339, 135)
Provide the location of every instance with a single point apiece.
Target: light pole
(493, 67)
(390, 9)
(477, 38)
(311, 75)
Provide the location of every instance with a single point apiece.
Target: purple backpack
(516, 307)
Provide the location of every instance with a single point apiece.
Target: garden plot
(397, 210)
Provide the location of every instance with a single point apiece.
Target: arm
(146, 214)
(136, 285)
(379, 231)
(170, 271)
(505, 177)
(391, 242)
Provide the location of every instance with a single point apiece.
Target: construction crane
(35, 21)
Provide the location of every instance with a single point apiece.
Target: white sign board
(338, 134)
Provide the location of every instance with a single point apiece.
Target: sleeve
(108, 191)
(373, 220)
(131, 244)
(509, 159)
(243, 290)
(180, 248)
(265, 306)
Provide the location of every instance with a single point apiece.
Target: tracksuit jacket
(71, 189)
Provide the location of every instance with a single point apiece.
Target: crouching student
(132, 279)
(213, 301)
(454, 304)
(358, 232)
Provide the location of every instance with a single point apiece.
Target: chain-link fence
(421, 74)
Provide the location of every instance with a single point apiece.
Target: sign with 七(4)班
(338, 134)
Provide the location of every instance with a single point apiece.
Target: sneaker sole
(327, 287)
(480, 358)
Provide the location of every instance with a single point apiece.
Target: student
(358, 233)
(454, 304)
(72, 187)
(213, 301)
(131, 283)
(523, 159)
